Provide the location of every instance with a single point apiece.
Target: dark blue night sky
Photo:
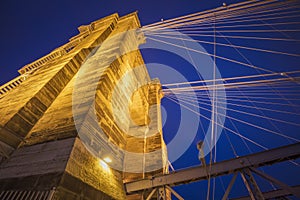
(31, 29)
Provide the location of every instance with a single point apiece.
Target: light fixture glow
(104, 165)
(107, 160)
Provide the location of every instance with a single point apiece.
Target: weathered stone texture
(25, 105)
(37, 159)
(89, 170)
(37, 117)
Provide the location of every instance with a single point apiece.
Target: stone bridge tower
(42, 155)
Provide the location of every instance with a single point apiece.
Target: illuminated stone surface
(40, 148)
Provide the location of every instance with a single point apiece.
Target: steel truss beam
(162, 193)
(268, 157)
(272, 194)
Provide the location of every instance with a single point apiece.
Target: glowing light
(104, 165)
(107, 160)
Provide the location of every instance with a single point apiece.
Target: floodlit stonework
(41, 153)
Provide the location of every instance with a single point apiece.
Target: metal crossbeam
(217, 169)
(272, 194)
(278, 183)
(225, 196)
(251, 185)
